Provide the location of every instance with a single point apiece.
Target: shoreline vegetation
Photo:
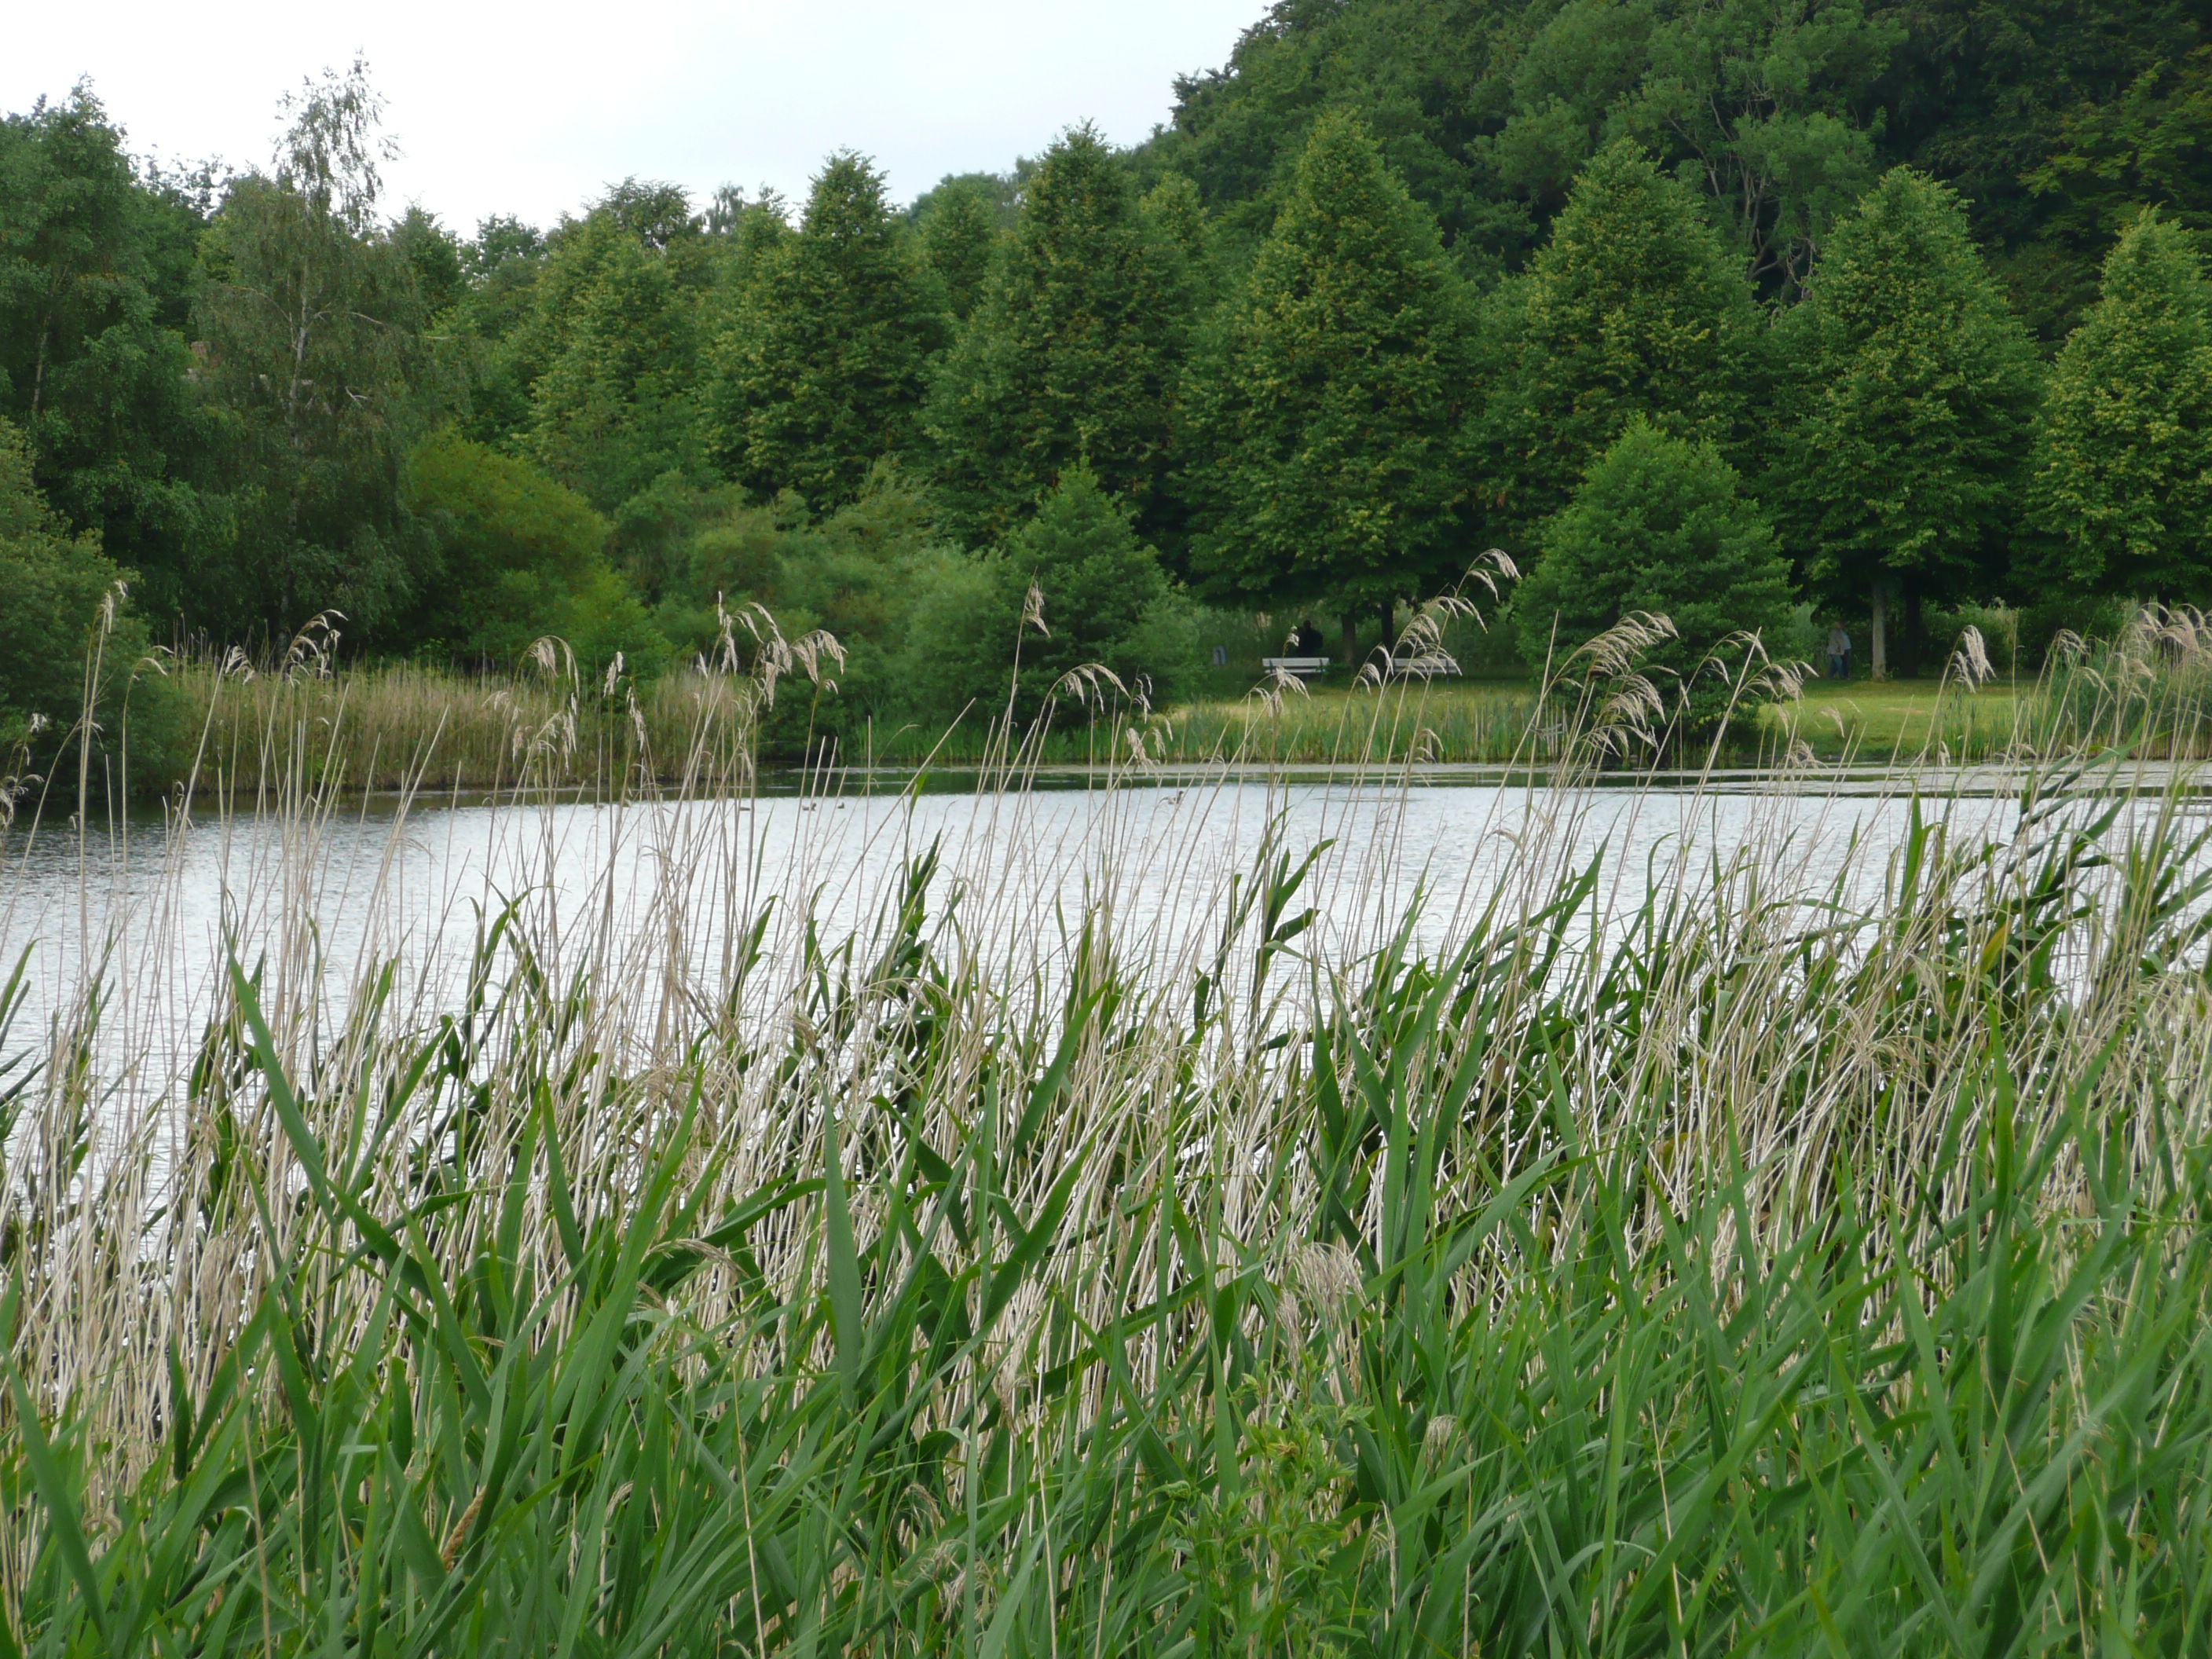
(1741, 1185)
(427, 731)
(1717, 1256)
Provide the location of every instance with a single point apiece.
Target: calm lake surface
(666, 892)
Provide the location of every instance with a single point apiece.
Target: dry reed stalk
(689, 1025)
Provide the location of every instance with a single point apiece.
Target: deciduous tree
(959, 239)
(822, 371)
(1324, 416)
(96, 275)
(2122, 476)
(309, 317)
(1072, 358)
(1105, 600)
(1660, 525)
(1635, 305)
(1908, 402)
(520, 555)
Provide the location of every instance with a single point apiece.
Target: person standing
(1840, 653)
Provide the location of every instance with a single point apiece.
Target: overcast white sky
(529, 109)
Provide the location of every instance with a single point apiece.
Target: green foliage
(1103, 600)
(822, 373)
(1907, 401)
(2055, 120)
(96, 276)
(768, 570)
(651, 532)
(999, 193)
(1324, 421)
(1073, 356)
(226, 393)
(2121, 475)
(71, 650)
(610, 349)
(959, 239)
(2152, 144)
(1660, 527)
(520, 557)
(1160, 1318)
(1635, 305)
(1761, 102)
(1427, 77)
(1178, 218)
(434, 254)
(1489, 108)
(310, 315)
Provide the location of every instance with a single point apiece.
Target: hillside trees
(1635, 305)
(1426, 75)
(1071, 358)
(1763, 101)
(1325, 415)
(2055, 120)
(822, 371)
(1908, 399)
(2122, 476)
(1760, 100)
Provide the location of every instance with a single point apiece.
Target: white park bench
(1305, 668)
(1433, 667)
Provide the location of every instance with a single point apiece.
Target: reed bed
(1694, 1256)
(405, 728)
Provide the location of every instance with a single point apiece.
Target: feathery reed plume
(1202, 1218)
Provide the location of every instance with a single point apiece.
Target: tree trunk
(1389, 609)
(1878, 634)
(1351, 647)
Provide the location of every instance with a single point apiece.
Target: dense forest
(1754, 313)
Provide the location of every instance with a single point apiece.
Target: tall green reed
(1702, 1257)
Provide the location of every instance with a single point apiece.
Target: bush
(1660, 524)
(521, 556)
(852, 573)
(55, 595)
(1104, 600)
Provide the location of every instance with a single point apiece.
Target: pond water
(662, 894)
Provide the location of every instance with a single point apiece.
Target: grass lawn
(1899, 717)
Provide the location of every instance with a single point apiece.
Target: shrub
(56, 593)
(521, 557)
(1104, 600)
(1660, 524)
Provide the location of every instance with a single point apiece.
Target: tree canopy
(310, 319)
(1073, 356)
(2121, 475)
(822, 371)
(1325, 417)
(1635, 305)
(1662, 526)
(97, 273)
(1907, 404)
